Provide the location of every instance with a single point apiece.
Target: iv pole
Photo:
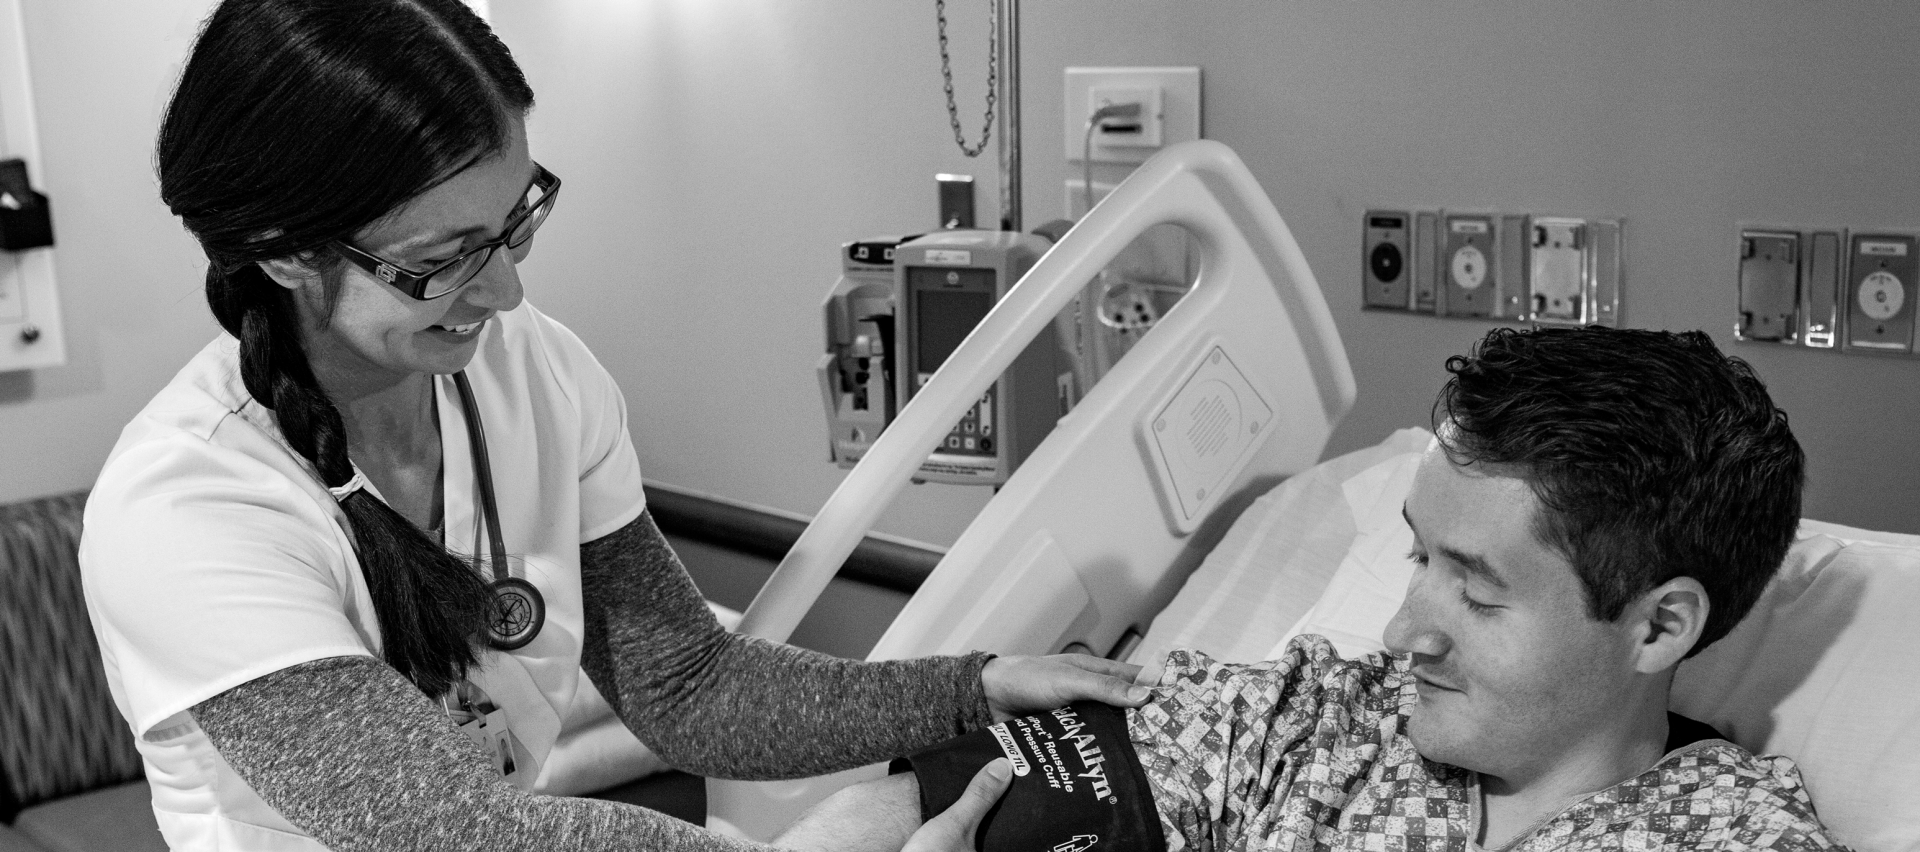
(1009, 96)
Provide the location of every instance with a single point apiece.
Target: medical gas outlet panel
(1847, 290)
(1548, 270)
(900, 308)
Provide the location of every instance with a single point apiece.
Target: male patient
(1600, 505)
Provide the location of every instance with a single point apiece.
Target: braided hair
(299, 122)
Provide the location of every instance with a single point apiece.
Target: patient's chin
(1438, 739)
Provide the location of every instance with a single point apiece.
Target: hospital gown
(1310, 752)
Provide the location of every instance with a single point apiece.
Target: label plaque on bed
(1204, 434)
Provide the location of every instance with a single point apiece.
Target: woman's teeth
(460, 329)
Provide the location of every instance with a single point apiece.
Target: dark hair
(1654, 456)
(299, 122)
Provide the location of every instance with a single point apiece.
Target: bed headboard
(1236, 387)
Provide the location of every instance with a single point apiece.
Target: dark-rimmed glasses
(447, 277)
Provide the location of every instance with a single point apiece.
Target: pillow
(1365, 591)
(1818, 671)
(1272, 563)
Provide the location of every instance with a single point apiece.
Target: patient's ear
(1668, 621)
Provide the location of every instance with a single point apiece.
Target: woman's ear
(289, 272)
(1671, 617)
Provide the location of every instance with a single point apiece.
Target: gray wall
(716, 151)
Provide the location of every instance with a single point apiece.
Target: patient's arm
(884, 815)
(872, 816)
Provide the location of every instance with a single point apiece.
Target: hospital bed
(1182, 504)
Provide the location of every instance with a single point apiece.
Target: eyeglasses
(527, 214)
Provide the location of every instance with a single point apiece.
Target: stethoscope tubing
(519, 609)
(483, 472)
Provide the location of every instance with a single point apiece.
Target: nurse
(336, 611)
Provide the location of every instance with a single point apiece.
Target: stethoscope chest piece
(518, 613)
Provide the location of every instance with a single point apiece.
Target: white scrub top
(212, 555)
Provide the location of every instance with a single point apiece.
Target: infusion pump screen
(946, 316)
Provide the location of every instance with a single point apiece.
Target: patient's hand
(884, 816)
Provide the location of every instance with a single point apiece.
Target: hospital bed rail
(1097, 529)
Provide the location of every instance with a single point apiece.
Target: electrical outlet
(1177, 90)
(1386, 269)
(1880, 281)
(1769, 286)
(1143, 129)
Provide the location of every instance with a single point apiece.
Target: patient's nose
(1411, 631)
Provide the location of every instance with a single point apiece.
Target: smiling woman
(281, 556)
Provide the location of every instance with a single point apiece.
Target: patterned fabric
(59, 731)
(1309, 752)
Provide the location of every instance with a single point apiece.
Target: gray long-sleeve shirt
(349, 751)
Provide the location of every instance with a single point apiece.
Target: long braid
(432, 606)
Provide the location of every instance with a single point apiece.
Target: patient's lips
(1427, 678)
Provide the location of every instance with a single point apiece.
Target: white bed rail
(1087, 540)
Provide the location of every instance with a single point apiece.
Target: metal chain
(993, 77)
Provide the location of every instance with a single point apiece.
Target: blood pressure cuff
(1077, 784)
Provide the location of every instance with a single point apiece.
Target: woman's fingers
(952, 830)
(1017, 686)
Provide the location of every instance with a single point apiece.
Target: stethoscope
(518, 610)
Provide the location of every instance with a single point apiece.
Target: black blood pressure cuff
(1077, 784)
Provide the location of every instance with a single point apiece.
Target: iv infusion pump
(901, 307)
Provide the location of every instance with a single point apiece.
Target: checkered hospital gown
(1309, 752)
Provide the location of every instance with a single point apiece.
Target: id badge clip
(485, 723)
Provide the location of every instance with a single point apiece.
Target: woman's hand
(1019, 686)
(952, 830)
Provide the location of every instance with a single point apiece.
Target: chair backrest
(59, 731)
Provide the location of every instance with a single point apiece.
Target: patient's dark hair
(299, 122)
(1653, 455)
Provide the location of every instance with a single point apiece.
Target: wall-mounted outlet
(1573, 270)
(1386, 262)
(1170, 111)
(1880, 281)
(1557, 270)
(1139, 126)
(1769, 286)
(1469, 271)
(1553, 270)
(1483, 265)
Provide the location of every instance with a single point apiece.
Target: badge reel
(485, 723)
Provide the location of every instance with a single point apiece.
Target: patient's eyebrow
(1468, 562)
